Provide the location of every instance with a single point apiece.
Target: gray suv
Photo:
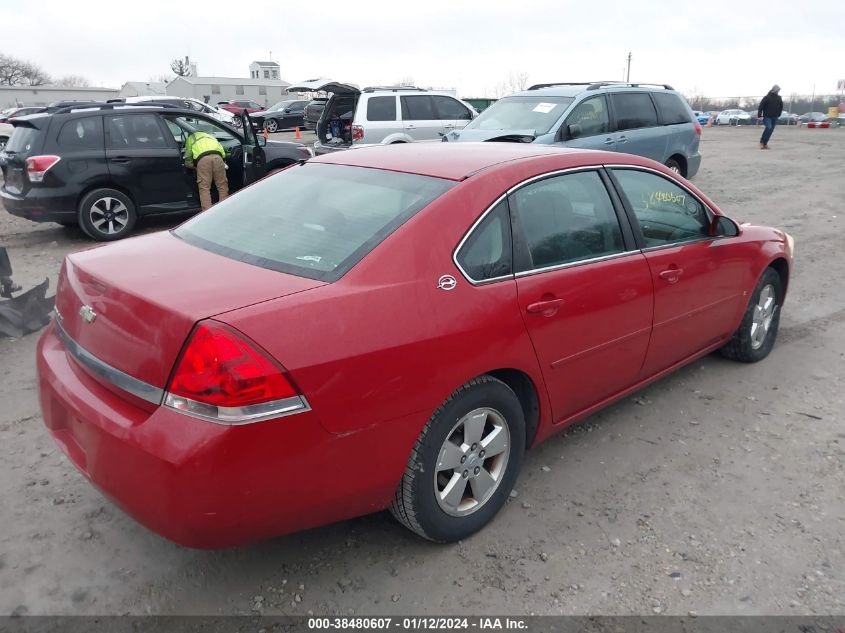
(385, 115)
(650, 120)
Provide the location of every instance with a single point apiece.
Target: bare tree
(72, 81)
(515, 82)
(181, 67)
(17, 72)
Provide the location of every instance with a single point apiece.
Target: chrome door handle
(622, 139)
(608, 141)
(671, 275)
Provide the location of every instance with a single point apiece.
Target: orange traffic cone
(298, 135)
(709, 123)
(266, 134)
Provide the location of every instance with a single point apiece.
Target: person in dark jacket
(769, 110)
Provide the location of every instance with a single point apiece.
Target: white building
(264, 70)
(143, 89)
(11, 96)
(266, 92)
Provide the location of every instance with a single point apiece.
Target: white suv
(383, 115)
(189, 103)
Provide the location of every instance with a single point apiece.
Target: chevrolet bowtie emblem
(87, 313)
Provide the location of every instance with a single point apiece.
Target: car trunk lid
(324, 85)
(133, 304)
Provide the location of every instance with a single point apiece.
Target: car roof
(458, 161)
(574, 90)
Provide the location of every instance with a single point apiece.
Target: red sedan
(389, 327)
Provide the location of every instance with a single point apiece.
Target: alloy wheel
(272, 126)
(764, 312)
(109, 215)
(472, 461)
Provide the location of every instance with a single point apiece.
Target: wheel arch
(526, 391)
(781, 267)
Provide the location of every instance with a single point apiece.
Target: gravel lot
(719, 490)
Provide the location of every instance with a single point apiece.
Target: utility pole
(628, 76)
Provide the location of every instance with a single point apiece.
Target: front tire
(107, 215)
(272, 126)
(3, 141)
(756, 335)
(464, 463)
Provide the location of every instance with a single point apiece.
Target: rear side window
(417, 109)
(135, 131)
(314, 220)
(672, 108)
(84, 133)
(487, 253)
(381, 109)
(23, 140)
(633, 110)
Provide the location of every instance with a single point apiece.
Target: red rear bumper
(207, 485)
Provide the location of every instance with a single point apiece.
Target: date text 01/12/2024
(416, 623)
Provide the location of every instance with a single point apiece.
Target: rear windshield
(23, 140)
(313, 220)
(522, 113)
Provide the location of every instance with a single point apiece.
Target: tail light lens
(357, 133)
(697, 127)
(224, 378)
(37, 166)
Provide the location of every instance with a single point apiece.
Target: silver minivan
(383, 115)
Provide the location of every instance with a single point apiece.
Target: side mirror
(573, 131)
(261, 140)
(722, 226)
(287, 110)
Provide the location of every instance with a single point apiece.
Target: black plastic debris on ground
(26, 313)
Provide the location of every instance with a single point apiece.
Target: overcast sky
(718, 49)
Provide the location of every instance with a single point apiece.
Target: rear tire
(472, 447)
(756, 335)
(675, 166)
(106, 215)
(3, 141)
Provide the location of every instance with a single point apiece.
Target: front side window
(313, 220)
(633, 110)
(565, 219)
(183, 126)
(590, 117)
(82, 134)
(134, 131)
(487, 254)
(417, 108)
(381, 108)
(522, 113)
(450, 109)
(665, 212)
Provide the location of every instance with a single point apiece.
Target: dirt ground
(718, 490)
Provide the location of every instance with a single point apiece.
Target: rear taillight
(37, 166)
(224, 378)
(697, 127)
(357, 133)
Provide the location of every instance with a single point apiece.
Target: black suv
(105, 166)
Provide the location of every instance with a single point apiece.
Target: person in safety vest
(204, 153)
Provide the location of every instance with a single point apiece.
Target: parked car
(364, 331)
(312, 113)
(702, 117)
(6, 130)
(237, 106)
(386, 115)
(104, 167)
(643, 119)
(284, 115)
(187, 103)
(815, 117)
(733, 117)
(11, 113)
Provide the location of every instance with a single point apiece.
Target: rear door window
(86, 133)
(381, 108)
(633, 110)
(314, 220)
(418, 108)
(135, 131)
(672, 108)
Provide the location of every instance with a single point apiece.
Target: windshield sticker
(310, 258)
(545, 108)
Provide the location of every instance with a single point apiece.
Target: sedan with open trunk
(390, 327)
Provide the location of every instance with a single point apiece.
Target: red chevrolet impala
(390, 327)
